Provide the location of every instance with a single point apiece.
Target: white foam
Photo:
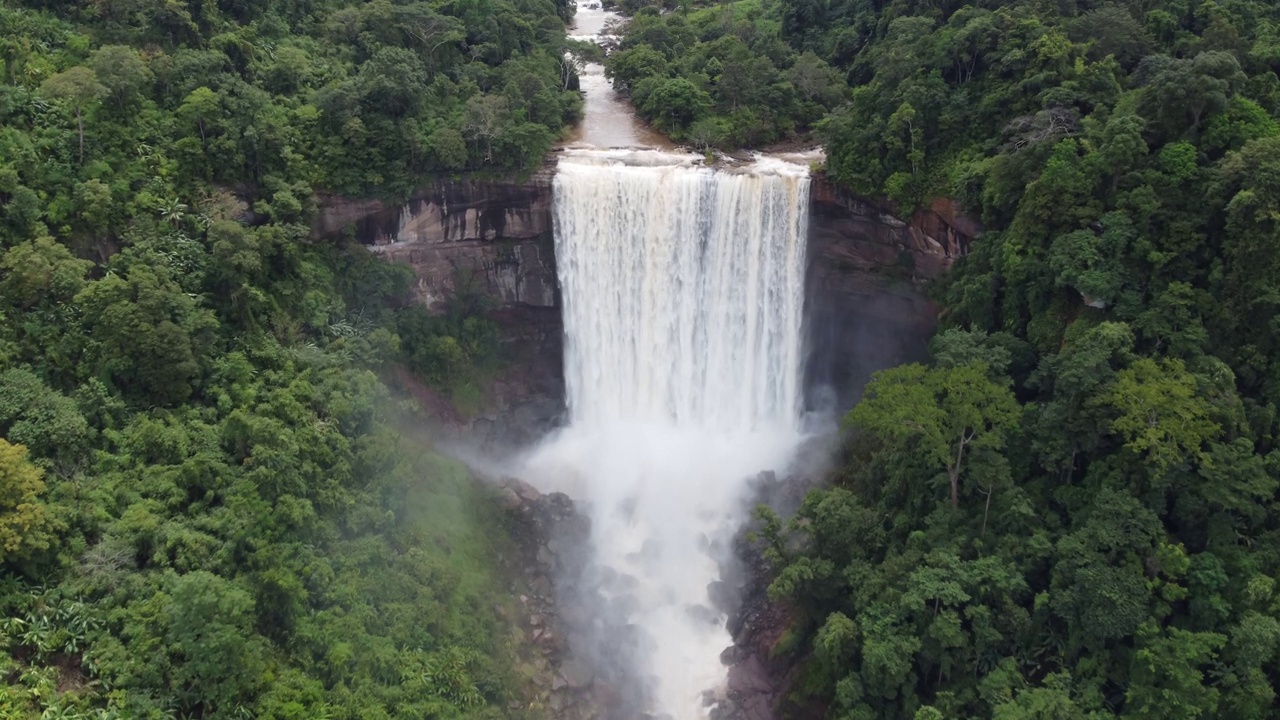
(683, 292)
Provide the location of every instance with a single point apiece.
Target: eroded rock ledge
(865, 235)
(493, 236)
(487, 236)
(866, 306)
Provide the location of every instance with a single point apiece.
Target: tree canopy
(211, 505)
(722, 77)
(1071, 511)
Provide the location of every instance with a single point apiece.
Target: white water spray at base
(682, 292)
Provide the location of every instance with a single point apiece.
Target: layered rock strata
(489, 237)
(866, 307)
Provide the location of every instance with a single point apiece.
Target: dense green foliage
(1072, 512)
(277, 97)
(208, 504)
(722, 77)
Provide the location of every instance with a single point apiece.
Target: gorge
(703, 311)
(682, 294)
(369, 359)
(865, 268)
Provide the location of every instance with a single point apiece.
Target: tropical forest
(218, 500)
(210, 504)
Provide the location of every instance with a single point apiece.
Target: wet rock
(510, 500)
(542, 586)
(556, 546)
(523, 490)
(553, 643)
(703, 614)
(576, 674)
(546, 558)
(482, 428)
(757, 707)
(732, 655)
(750, 677)
(722, 595)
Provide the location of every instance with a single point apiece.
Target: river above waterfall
(607, 118)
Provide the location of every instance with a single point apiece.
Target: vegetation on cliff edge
(722, 76)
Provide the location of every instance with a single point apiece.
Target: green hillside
(209, 504)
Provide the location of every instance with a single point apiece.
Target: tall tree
(79, 87)
(24, 525)
(946, 413)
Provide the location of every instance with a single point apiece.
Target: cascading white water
(682, 292)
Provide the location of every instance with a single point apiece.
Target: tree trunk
(986, 511)
(953, 471)
(80, 128)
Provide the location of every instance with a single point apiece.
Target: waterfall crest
(683, 301)
(682, 291)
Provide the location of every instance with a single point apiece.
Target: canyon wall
(489, 237)
(866, 306)
(486, 236)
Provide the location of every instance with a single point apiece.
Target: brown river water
(608, 120)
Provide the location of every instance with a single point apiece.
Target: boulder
(576, 673)
(750, 677)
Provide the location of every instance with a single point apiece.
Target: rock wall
(551, 541)
(486, 236)
(867, 306)
(865, 235)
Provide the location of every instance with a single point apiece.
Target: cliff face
(866, 307)
(863, 235)
(491, 237)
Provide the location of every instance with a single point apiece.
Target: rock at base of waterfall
(750, 677)
(733, 655)
(722, 595)
(576, 674)
(524, 490)
(757, 708)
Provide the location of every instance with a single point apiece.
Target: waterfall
(682, 293)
